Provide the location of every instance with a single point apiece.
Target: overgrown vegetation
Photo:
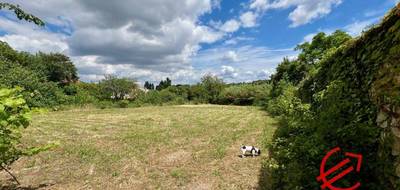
(329, 96)
(324, 99)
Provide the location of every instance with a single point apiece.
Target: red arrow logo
(323, 174)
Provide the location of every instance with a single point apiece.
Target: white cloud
(248, 19)
(357, 27)
(28, 44)
(250, 60)
(231, 56)
(230, 26)
(305, 11)
(129, 38)
(228, 72)
(147, 40)
(236, 40)
(353, 29)
(259, 5)
(28, 37)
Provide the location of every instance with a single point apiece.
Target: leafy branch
(21, 14)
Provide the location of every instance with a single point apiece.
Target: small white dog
(253, 150)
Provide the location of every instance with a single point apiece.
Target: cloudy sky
(237, 40)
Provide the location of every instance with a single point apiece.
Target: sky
(236, 40)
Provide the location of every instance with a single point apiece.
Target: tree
(213, 86)
(293, 70)
(148, 85)
(58, 68)
(116, 88)
(309, 57)
(312, 52)
(164, 84)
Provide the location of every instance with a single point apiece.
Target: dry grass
(171, 147)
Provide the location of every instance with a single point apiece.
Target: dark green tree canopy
(311, 53)
(58, 67)
(148, 85)
(164, 84)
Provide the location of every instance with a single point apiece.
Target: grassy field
(170, 147)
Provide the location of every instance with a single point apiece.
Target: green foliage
(212, 86)
(40, 75)
(21, 14)
(311, 54)
(285, 101)
(164, 84)
(291, 70)
(123, 103)
(37, 91)
(245, 94)
(198, 94)
(112, 87)
(336, 105)
(57, 68)
(150, 98)
(14, 116)
(76, 94)
(148, 85)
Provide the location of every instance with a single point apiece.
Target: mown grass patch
(168, 147)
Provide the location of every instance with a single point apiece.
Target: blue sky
(236, 40)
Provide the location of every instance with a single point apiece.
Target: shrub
(151, 98)
(104, 104)
(123, 103)
(284, 103)
(245, 94)
(198, 94)
(14, 116)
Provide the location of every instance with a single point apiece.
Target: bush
(198, 94)
(104, 104)
(152, 97)
(284, 103)
(245, 94)
(123, 103)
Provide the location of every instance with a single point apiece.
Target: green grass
(168, 147)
